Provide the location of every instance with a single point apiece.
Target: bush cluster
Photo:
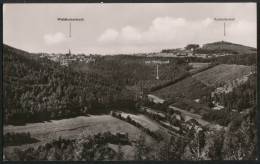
(16, 139)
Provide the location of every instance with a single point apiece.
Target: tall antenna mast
(69, 34)
(157, 72)
(70, 29)
(157, 62)
(224, 28)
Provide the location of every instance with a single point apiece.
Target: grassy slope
(189, 88)
(75, 128)
(222, 74)
(202, 83)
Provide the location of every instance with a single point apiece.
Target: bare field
(222, 73)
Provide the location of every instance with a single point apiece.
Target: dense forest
(37, 90)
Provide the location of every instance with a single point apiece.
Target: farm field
(222, 73)
(74, 128)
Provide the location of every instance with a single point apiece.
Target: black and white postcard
(129, 81)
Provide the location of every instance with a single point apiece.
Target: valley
(126, 107)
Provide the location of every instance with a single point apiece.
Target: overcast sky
(125, 28)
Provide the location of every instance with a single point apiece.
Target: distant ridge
(224, 45)
(16, 51)
(5, 46)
